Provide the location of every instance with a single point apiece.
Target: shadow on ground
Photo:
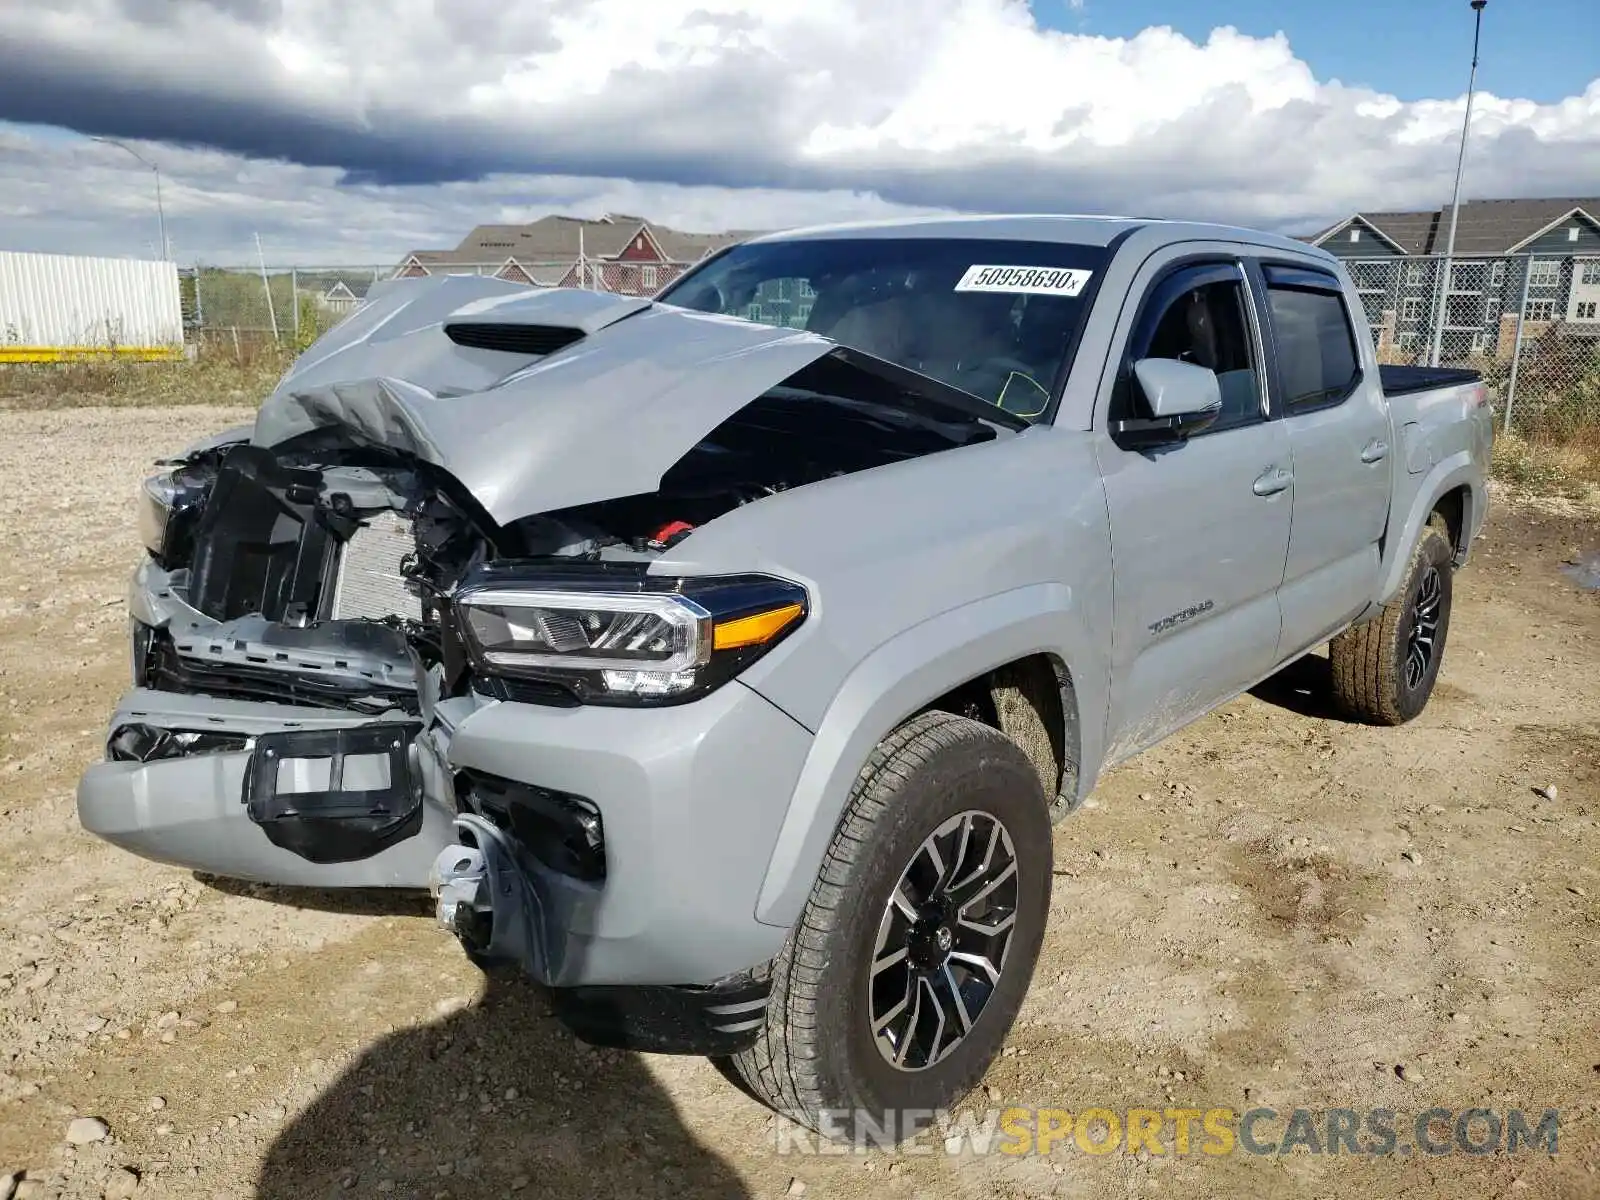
(496, 1100)
(1305, 687)
(356, 902)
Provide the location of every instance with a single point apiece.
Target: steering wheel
(1003, 366)
(1011, 366)
(1006, 370)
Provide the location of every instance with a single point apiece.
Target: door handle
(1375, 450)
(1272, 481)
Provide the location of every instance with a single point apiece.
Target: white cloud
(719, 112)
(70, 195)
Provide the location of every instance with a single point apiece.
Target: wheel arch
(1451, 489)
(1028, 634)
(1033, 700)
(1454, 509)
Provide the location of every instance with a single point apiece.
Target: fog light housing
(562, 831)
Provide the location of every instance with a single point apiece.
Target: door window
(1316, 347)
(1198, 315)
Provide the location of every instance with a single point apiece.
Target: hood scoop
(538, 322)
(551, 308)
(512, 339)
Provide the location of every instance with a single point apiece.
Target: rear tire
(1384, 670)
(890, 924)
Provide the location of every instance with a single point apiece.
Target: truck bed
(1401, 381)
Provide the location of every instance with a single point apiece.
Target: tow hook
(482, 896)
(459, 882)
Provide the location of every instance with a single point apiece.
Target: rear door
(1199, 529)
(1325, 386)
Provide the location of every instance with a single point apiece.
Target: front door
(1200, 529)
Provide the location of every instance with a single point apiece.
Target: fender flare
(903, 676)
(1446, 475)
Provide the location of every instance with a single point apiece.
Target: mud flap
(335, 795)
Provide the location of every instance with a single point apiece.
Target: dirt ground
(1273, 908)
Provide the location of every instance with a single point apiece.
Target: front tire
(907, 968)
(1384, 670)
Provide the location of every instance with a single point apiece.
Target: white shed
(55, 307)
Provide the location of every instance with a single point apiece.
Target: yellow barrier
(51, 354)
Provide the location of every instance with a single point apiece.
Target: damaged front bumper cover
(190, 809)
(215, 703)
(667, 899)
(501, 908)
(688, 825)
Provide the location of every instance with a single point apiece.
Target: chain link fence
(243, 309)
(237, 309)
(1529, 323)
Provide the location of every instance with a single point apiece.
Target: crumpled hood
(602, 418)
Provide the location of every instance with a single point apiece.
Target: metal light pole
(1455, 205)
(161, 212)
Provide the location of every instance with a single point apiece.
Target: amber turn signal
(755, 630)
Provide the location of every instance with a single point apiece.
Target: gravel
(1287, 933)
(42, 978)
(121, 1184)
(85, 1130)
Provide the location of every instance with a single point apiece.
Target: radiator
(369, 582)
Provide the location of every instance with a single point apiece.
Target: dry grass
(1569, 468)
(215, 376)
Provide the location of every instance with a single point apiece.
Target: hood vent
(513, 339)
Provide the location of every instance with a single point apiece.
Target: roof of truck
(1079, 230)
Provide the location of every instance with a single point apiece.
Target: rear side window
(1316, 348)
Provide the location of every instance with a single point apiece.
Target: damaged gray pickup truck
(723, 660)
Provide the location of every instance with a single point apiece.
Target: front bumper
(691, 798)
(190, 812)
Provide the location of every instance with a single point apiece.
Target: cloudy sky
(352, 131)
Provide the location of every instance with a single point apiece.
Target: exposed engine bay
(318, 571)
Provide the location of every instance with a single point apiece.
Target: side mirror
(1180, 398)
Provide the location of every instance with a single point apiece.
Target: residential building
(616, 253)
(1541, 255)
(340, 298)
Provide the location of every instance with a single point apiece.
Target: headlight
(156, 497)
(649, 641)
(166, 502)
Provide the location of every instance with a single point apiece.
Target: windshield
(994, 318)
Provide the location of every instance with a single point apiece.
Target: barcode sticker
(1040, 281)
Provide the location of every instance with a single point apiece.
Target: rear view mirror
(1180, 400)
